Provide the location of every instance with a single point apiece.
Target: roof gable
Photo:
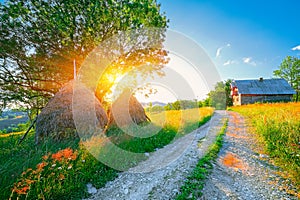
(264, 86)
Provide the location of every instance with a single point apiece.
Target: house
(261, 90)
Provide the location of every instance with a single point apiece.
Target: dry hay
(56, 118)
(126, 110)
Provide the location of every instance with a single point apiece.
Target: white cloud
(296, 48)
(230, 62)
(218, 52)
(248, 60)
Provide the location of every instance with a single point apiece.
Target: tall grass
(62, 170)
(28, 171)
(277, 126)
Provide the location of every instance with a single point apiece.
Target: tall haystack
(56, 119)
(127, 110)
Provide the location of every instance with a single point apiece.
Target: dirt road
(161, 176)
(239, 172)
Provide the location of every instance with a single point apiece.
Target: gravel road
(161, 176)
(239, 172)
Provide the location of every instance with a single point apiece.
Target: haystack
(56, 119)
(127, 110)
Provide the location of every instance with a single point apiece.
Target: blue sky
(245, 39)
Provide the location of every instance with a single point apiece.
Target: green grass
(277, 127)
(163, 137)
(16, 159)
(28, 171)
(192, 188)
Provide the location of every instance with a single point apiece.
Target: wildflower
(67, 153)
(40, 166)
(59, 168)
(53, 165)
(29, 182)
(64, 154)
(83, 161)
(57, 156)
(70, 167)
(61, 177)
(45, 157)
(22, 190)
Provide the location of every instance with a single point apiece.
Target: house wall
(236, 100)
(249, 99)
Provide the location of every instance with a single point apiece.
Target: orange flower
(61, 177)
(57, 156)
(45, 157)
(64, 154)
(74, 156)
(29, 182)
(40, 166)
(67, 152)
(22, 190)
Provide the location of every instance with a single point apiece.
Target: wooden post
(74, 62)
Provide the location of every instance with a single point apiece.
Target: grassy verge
(195, 182)
(50, 171)
(277, 127)
(62, 170)
(175, 124)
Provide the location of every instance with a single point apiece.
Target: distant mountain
(154, 103)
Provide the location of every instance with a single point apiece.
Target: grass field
(277, 127)
(62, 170)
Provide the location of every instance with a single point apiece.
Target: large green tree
(220, 96)
(289, 69)
(39, 39)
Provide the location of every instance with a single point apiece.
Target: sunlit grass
(183, 120)
(62, 170)
(277, 127)
(10, 134)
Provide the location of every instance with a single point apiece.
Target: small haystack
(56, 119)
(127, 110)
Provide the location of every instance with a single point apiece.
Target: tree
(220, 96)
(289, 69)
(40, 39)
(176, 105)
(229, 101)
(168, 106)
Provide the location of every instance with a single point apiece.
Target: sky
(244, 39)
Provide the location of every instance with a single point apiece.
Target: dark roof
(263, 86)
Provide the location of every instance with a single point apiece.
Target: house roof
(263, 86)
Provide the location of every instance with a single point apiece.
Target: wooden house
(261, 90)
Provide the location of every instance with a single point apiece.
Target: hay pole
(30, 127)
(74, 63)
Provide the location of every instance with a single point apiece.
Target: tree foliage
(39, 40)
(289, 69)
(220, 96)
